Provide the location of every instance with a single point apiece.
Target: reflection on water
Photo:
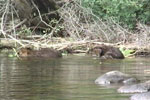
(68, 78)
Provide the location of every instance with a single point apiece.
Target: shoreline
(67, 45)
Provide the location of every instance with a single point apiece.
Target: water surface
(67, 78)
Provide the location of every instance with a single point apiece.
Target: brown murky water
(68, 78)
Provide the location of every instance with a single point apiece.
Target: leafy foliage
(125, 12)
(126, 52)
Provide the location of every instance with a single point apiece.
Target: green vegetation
(125, 12)
(24, 31)
(126, 52)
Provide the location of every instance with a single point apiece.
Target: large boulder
(141, 96)
(115, 77)
(141, 87)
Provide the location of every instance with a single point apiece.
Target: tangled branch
(77, 22)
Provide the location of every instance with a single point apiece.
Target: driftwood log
(37, 12)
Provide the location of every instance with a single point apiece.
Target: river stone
(141, 96)
(112, 77)
(141, 87)
(130, 81)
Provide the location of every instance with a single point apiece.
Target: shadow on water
(68, 78)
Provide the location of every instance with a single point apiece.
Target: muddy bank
(68, 46)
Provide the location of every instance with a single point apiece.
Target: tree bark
(29, 9)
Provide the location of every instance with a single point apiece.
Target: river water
(68, 78)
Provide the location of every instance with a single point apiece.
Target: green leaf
(126, 52)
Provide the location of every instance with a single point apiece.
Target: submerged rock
(130, 81)
(141, 87)
(115, 77)
(141, 96)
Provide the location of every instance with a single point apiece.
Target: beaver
(42, 53)
(106, 52)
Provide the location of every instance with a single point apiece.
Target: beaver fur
(106, 52)
(42, 53)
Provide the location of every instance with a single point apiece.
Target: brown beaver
(42, 53)
(106, 52)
